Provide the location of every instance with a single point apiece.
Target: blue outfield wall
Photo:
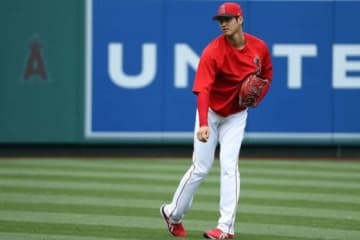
(142, 55)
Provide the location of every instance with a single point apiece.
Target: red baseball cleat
(176, 229)
(217, 233)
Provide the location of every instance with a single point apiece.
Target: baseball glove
(252, 90)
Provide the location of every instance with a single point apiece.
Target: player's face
(230, 25)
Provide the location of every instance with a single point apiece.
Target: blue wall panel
(303, 102)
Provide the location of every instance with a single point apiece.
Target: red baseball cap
(228, 9)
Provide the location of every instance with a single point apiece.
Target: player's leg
(203, 158)
(231, 134)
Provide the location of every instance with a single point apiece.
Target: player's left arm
(266, 74)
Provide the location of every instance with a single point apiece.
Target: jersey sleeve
(266, 73)
(204, 79)
(266, 70)
(203, 107)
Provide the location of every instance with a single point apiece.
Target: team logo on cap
(222, 9)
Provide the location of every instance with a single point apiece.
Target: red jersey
(221, 70)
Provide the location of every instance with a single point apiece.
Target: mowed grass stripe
(34, 236)
(109, 232)
(348, 180)
(205, 202)
(86, 175)
(157, 223)
(121, 190)
(93, 219)
(84, 200)
(322, 165)
(343, 224)
(101, 165)
(172, 180)
(299, 209)
(202, 194)
(181, 166)
(131, 177)
(301, 173)
(325, 219)
(207, 188)
(276, 173)
(171, 163)
(213, 177)
(298, 231)
(80, 231)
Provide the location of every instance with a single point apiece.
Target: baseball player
(234, 73)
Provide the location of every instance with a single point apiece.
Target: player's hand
(203, 134)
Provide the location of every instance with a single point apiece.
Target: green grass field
(108, 199)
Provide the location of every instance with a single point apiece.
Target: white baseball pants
(228, 132)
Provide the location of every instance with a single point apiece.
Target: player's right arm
(203, 109)
(204, 79)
